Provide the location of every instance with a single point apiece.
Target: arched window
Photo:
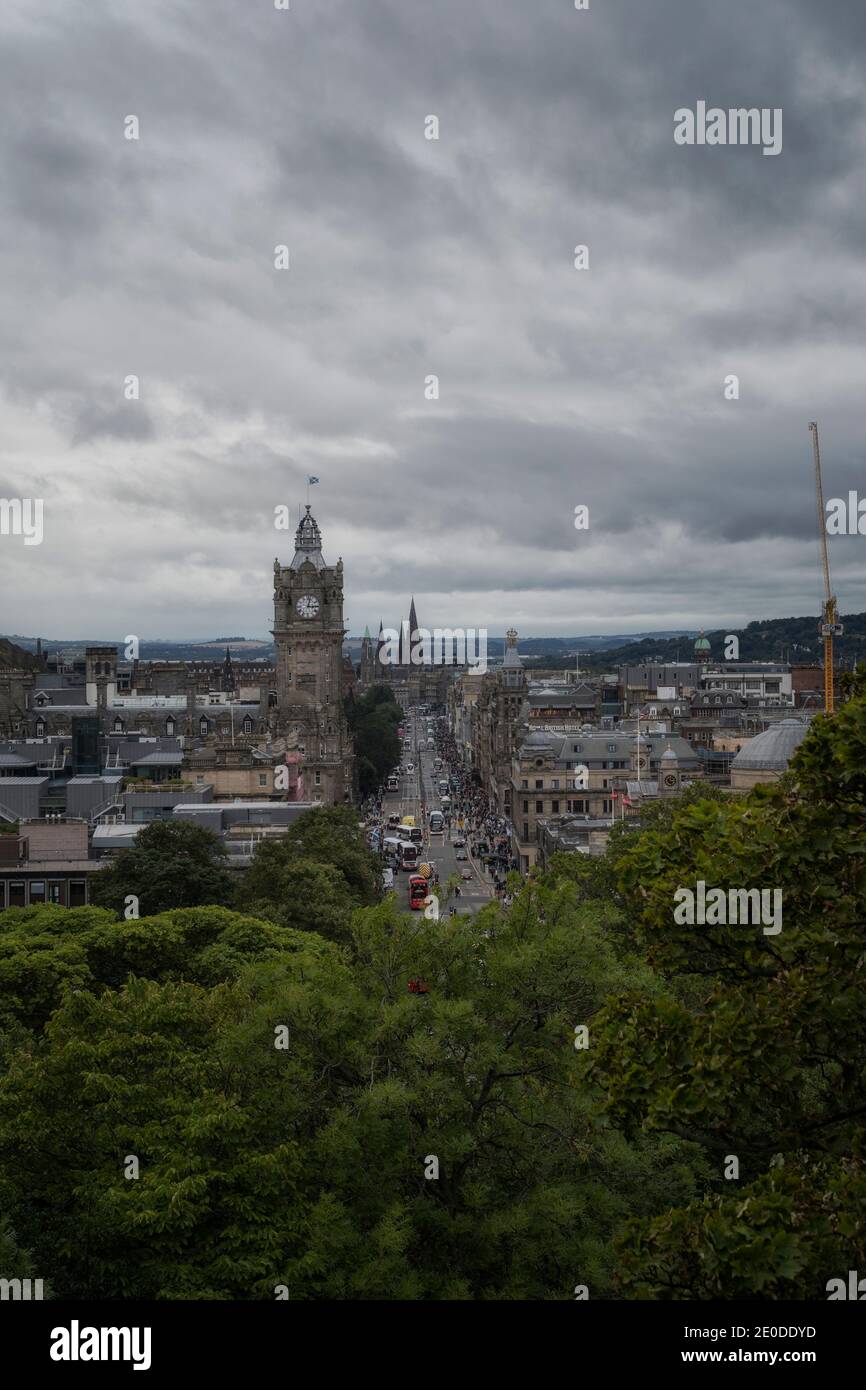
(170, 727)
(40, 728)
(118, 726)
(203, 726)
(248, 725)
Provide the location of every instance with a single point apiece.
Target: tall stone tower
(308, 633)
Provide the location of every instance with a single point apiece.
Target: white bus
(444, 787)
(393, 783)
(437, 822)
(408, 854)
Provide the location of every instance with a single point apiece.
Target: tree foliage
(756, 1048)
(373, 722)
(171, 864)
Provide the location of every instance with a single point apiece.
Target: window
(526, 830)
(575, 748)
(611, 748)
(539, 807)
(248, 725)
(55, 892)
(17, 895)
(263, 779)
(525, 811)
(539, 784)
(554, 806)
(555, 784)
(118, 726)
(170, 727)
(40, 728)
(37, 890)
(203, 726)
(524, 784)
(77, 892)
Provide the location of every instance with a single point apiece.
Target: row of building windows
(63, 892)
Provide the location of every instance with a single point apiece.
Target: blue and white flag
(312, 480)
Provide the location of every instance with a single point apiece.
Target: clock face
(307, 606)
(670, 780)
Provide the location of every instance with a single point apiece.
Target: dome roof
(702, 643)
(772, 750)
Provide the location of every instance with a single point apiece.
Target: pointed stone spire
(308, 543)
(512, 660)
(413, 620)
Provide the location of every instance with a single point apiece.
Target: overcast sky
(411, 257)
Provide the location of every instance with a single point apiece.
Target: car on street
(460, 843)
(410, 767)
(461, 854)
(467, 874)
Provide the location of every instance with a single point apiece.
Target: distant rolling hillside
(774, 639)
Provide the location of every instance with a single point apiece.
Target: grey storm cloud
(411, 258)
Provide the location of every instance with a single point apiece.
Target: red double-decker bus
(418, 890)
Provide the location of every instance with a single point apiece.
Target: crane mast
(829, 626)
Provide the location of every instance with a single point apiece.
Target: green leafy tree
(373, 722)
(311, 1166)
(327, 835)
(171, 864)
(755, 1048)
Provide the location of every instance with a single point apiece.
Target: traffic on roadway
(427, 825)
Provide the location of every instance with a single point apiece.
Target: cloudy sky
(411, 257)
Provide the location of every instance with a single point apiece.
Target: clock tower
(308, 633)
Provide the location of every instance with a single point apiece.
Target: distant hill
(773, 639)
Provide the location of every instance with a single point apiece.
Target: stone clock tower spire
(308, 633)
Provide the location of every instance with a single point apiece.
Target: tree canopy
(576, 1090)
(171, 864)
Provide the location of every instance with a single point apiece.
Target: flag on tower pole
(310, 482)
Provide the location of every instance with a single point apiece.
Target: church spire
(413, 620)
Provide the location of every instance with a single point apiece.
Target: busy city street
(461, 843)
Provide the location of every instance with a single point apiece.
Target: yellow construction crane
(829, 627)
